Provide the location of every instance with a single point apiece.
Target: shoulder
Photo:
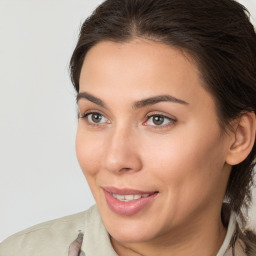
(48, 238)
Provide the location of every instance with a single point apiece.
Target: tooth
(120, 197)
(128, 197)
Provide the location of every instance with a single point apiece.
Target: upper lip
(126, 191)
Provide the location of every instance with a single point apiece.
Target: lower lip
(128, 208)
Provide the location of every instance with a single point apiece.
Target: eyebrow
(157, 99)
(138, 104)
(88, 96)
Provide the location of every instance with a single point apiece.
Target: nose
(122, 152)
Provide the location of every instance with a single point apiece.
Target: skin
(185, 158)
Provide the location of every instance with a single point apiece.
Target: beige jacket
(53, 238)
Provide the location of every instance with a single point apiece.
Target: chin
(124, 236)
(130, 229)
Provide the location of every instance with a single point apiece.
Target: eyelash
(171, 121)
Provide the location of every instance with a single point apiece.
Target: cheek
(187, 160)
(88, 152)
(188, 169)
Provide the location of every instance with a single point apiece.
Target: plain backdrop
(40, 178)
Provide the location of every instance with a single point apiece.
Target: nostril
(126, 170)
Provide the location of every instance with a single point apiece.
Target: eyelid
(91, 111)
(159, 113)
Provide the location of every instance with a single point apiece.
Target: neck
(197, 238)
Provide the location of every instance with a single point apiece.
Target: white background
(40, 178)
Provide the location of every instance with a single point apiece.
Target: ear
(243, 138)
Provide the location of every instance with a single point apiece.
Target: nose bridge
(121, 152)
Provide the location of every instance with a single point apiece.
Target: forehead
(140, 53)
(141, 68)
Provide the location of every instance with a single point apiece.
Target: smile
(128, 202)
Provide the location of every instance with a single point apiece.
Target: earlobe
(243, 139)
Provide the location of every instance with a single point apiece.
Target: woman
(166, 92)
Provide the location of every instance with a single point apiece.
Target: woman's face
(148, 140)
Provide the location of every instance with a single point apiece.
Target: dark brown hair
(216, 33)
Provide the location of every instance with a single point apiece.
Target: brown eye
(158, 120)
(96, 118)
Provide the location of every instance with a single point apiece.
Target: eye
(95, 118)
(159, 120)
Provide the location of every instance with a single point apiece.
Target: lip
(131, 207)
